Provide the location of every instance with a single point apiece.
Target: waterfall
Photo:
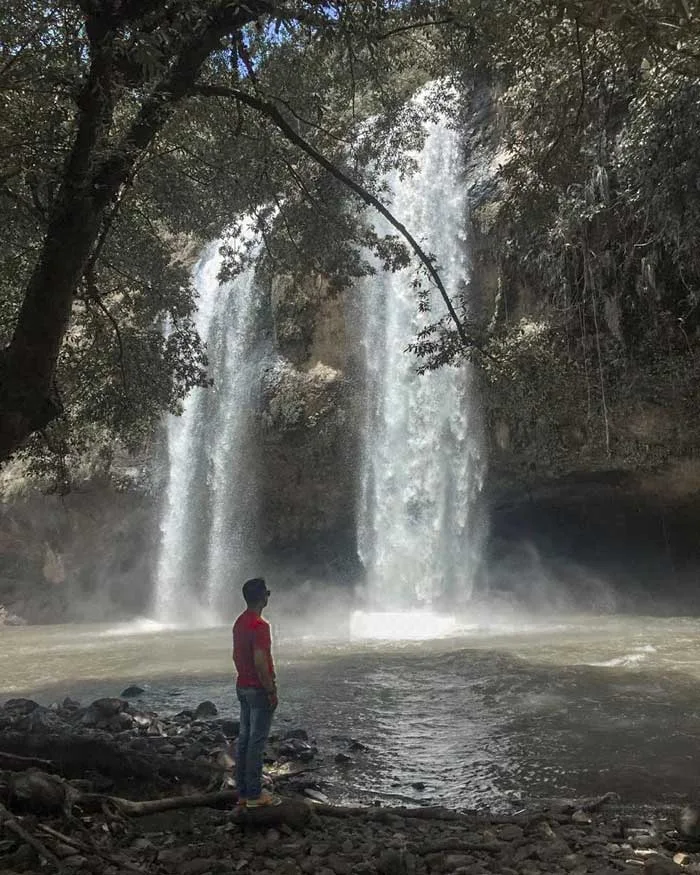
(209, 504)
(421, 455)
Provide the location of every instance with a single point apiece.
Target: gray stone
(659, 865)
(131, 692)
(391, 862)
(510, 832)
(338, 864)
(205, 709)
(198, 866)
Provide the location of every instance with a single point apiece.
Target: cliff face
(85, 556)
(309, 429)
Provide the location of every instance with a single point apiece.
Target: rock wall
(308, 431)
(83, 556)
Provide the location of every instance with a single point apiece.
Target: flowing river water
(493, 715)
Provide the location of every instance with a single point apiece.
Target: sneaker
(264, 799)
(240, 806)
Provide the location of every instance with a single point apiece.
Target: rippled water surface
(486, 717)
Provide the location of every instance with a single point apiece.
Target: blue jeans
(256, 719)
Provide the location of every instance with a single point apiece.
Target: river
(487, 716)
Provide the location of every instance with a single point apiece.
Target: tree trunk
(95, 172)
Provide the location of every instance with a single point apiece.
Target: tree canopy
(131, 131)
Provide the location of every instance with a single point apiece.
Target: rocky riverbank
(110, 788)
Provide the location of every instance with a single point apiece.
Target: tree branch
(269, 110)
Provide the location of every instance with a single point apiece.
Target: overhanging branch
(270, 111)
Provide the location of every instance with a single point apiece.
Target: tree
(113, 112)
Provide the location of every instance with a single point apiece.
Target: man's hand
(272, 698)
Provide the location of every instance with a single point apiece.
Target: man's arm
(267, 679)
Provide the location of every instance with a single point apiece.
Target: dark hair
(255, 590)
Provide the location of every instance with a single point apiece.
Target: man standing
(257, 692)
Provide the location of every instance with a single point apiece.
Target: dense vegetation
(130, 132)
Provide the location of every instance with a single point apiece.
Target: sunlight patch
(400, 625)
(139, 626)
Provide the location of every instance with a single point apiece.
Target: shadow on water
(492, 723)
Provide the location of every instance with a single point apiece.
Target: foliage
(117, 161)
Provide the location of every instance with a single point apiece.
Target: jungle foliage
(133, 130)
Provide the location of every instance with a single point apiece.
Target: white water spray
(421, 447)
(210, 497)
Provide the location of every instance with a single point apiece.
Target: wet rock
(132, 692)
(418, 785)
(205, 709)
(102, 710)
(343, 759)
(120, 722)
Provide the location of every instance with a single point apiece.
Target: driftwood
(132, 808)
(15, 763)
(85, 848)
(11, 824)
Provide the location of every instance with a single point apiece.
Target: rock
(230, 728)
(511, 832)
(132, 692)
(198, 866)
(343, 759)
(317, 796)
(659, 865)
(192, 751)
(391, 862)
(689, 822)
(205, 709)
(120, 722)
(338, 864)
(20, 707)
(418, 785)
(38, 792)
(102, 710)
(296, 749)
(296, 733)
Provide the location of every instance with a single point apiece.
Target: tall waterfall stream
(421, 450)
(206, 533)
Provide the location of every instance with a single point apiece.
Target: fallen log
(132, 808)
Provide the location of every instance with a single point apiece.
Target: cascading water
(421, 448)
(210, 497)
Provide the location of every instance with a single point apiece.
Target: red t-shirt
(250, 632)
